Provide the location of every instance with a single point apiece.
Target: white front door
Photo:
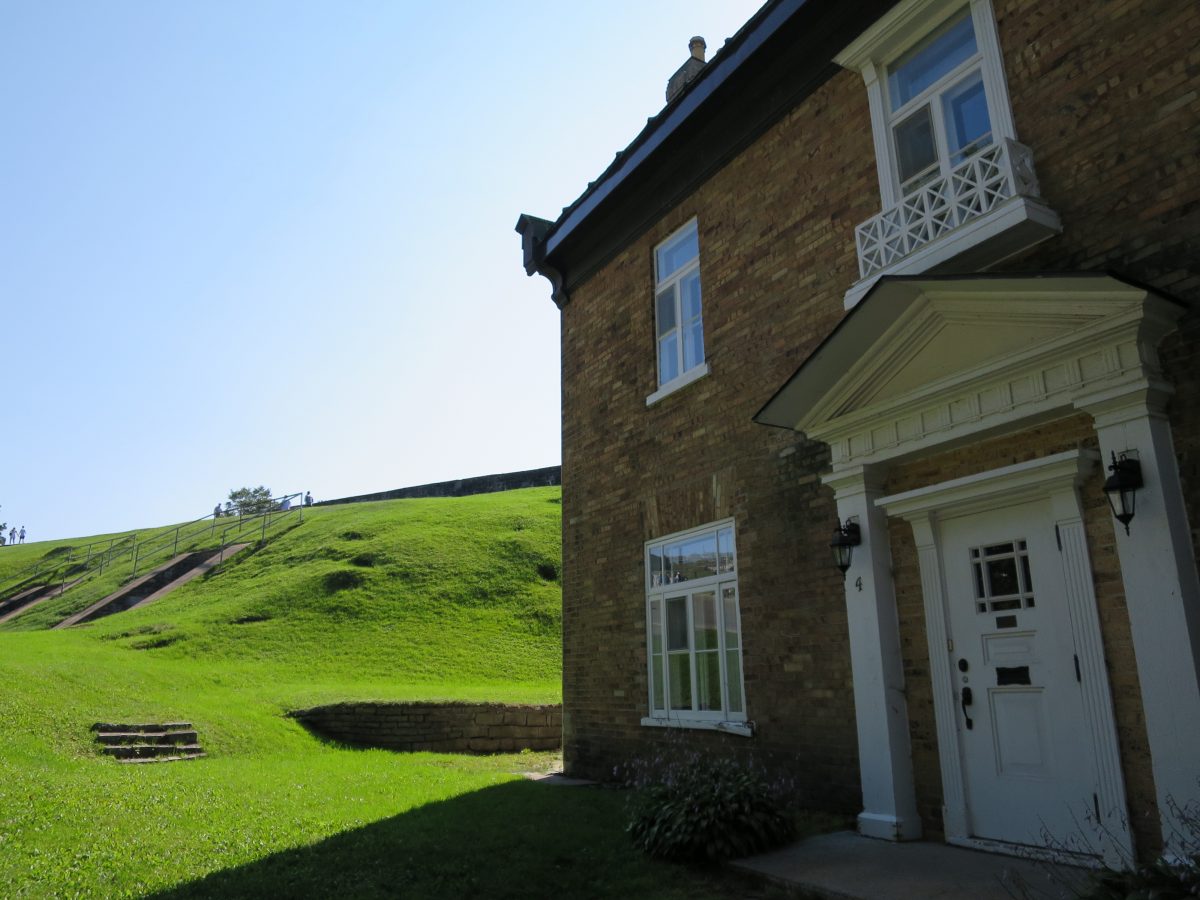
(1029, 773)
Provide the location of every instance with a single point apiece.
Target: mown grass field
(418, 599)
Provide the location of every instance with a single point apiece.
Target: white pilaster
(884, 749)
(937, 633)
(1162, 592)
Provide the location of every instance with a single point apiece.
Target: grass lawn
(420, 599)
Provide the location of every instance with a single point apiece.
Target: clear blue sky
(272, 242)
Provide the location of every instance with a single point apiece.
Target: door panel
(1027, 765)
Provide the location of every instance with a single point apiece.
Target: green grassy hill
(445, 598)
(408, 599)
(440, 598)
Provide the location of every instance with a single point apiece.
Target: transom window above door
(1001, 577)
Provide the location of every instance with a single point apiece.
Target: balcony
(986, 209)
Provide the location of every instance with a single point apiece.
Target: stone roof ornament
(686, 73)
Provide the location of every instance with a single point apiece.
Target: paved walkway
(845, 866)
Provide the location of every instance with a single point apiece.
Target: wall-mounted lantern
(1121, 487)
(845, 538)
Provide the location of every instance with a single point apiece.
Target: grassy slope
(434, 598)
(395, 600)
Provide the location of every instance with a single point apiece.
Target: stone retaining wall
(438, 727)
(463, 487)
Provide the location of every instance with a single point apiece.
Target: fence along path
(52, 576)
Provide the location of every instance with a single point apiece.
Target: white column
(1162, 591)
(884, 750)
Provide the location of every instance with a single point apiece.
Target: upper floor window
(677, 308)
(937, 104)
(954, 182)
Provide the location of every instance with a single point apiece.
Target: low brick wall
(439, 727)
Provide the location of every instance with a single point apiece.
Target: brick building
(920, 272)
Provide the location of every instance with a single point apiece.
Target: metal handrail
(54, 564)
(140, 551)
(265, 517)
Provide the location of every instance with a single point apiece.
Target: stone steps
(148, 742)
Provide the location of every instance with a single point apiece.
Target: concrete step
(105, 727)
(165, 738)
(141, 751)
(148, 741)
(162, 759)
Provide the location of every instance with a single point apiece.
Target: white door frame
(1055, 479)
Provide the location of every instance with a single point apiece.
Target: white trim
(1005, 230)
(678, 382)
(877, 667)
(1162, 592)
(673, 282)
(1054, 479)
(894, 34)
(1094, 343)
(1007, 486)
(716, 583)
(871, 54)
(744, 729)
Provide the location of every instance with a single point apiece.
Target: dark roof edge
(724, 64)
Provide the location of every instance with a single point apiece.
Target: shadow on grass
(517, 839)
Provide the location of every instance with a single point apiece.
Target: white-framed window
(937, 103)
(937, 90)
(678, 314)
(954, 181)
(693, 630)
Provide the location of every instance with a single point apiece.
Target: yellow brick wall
(1106, 94)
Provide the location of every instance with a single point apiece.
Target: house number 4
(858, 583)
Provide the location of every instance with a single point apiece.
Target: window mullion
(936, 88)
(940, 138)
(679, 322)
(691, 626)
(723, 669)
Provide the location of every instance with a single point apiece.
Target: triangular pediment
(916, 341)
(948, 339)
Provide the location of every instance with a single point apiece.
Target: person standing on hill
(12, 535)
(217, 511)
(22, 535)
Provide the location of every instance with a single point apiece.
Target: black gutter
(748, 39)
(777, 59)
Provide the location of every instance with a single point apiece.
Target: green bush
(1160, 881)
(1176, 879)
(707, 809)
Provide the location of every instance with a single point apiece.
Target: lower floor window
(693, 627)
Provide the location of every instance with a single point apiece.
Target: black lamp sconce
(1123, 485)
(845, 538)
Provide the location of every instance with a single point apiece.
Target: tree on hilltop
(251, 501)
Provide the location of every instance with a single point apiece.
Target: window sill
(744, 729)
(676, 383)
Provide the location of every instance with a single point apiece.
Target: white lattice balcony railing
(973, 188)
